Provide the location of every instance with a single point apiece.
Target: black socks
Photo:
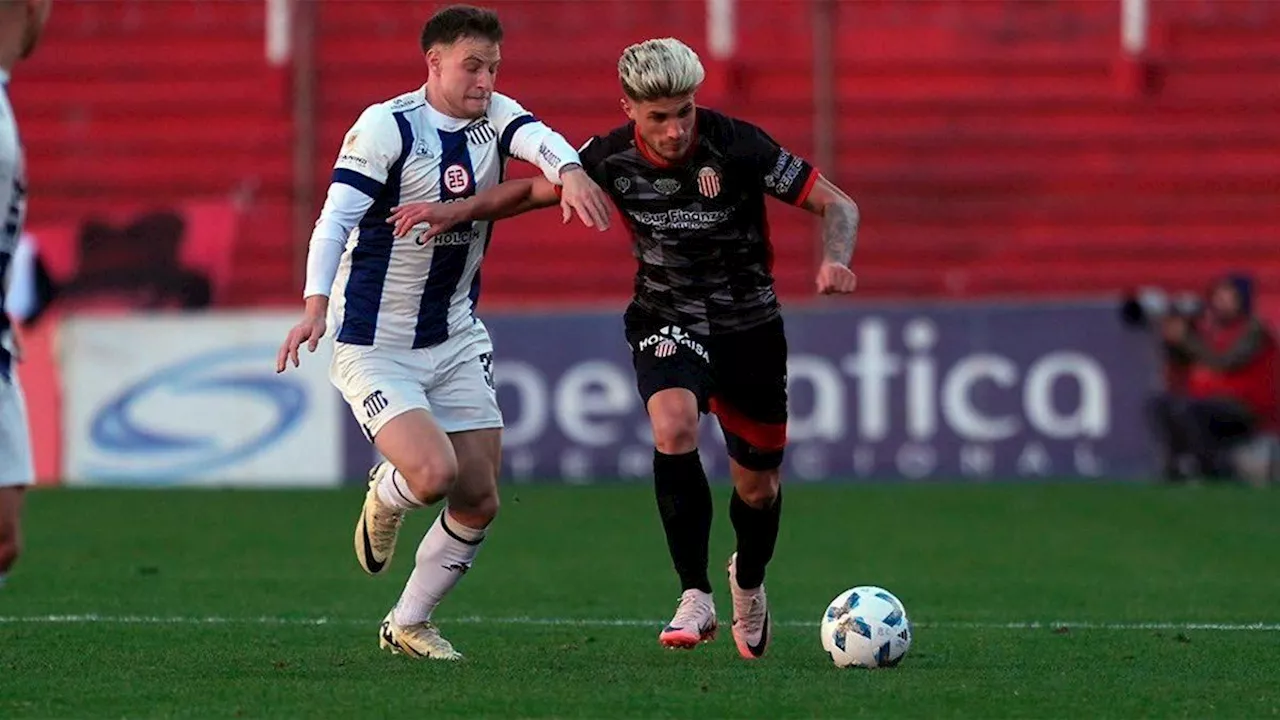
(757, 532)
(684, 502)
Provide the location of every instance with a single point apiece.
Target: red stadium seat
(989, 144)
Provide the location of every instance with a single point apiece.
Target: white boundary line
(604, 622)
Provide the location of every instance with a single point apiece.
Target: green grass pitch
(144, 604)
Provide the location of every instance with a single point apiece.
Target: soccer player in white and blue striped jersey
(411, 357)
(21, 24)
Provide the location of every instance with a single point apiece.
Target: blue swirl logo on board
(174, 423)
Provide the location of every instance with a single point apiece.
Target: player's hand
(440, 217)
(582, 196)
(308, 331)
(836, 278)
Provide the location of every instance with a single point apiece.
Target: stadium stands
(993, 145)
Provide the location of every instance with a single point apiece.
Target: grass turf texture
(965, 560)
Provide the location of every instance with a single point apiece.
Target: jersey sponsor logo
(667, 186)
(349, 143)
(457, 179)
(709, 182)
(679, 219)
(666, 341)
(771, 179)
(622, 185)
(789, 177)
(465, 236)
(422, 149)
(551, 158)
(457, 237)
(350, 159)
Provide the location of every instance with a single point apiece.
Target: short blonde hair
(660, 68)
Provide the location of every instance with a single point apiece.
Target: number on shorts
(486, 362)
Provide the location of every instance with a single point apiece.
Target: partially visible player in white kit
(410, 356)
(21, 23)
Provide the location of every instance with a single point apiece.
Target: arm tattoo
(840, 231)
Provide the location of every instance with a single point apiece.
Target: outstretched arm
(840, 220)
(508, 199)
(523, 136)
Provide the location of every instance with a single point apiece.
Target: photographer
(1230, 392)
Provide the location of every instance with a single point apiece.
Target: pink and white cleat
(694, 622)
(752, 624)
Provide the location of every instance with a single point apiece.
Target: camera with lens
(1145, 306)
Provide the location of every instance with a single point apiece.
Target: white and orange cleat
(752, 624)
(694, 622)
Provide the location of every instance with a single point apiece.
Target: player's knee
(431, 475)
(474, 506)
(675, 432)
(759, 488)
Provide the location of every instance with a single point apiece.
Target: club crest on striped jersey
(457, 179)
(709, 182)
(481, 132)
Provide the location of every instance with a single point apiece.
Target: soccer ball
(866, 627)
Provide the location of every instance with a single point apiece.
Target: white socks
(444, 556)
(393, 490)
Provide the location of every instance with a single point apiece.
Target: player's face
(37, 16)
(465, 73)
(1225, 301)
(665, 125)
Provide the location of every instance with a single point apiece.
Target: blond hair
(660, 68)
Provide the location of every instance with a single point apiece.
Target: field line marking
(605, 622)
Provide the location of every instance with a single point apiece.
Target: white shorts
(16, 467)
(453, 381)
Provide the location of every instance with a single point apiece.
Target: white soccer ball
(866, 626)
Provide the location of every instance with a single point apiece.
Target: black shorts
(741, 377)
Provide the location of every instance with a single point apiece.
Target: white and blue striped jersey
(13, 204)
(400, 292)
